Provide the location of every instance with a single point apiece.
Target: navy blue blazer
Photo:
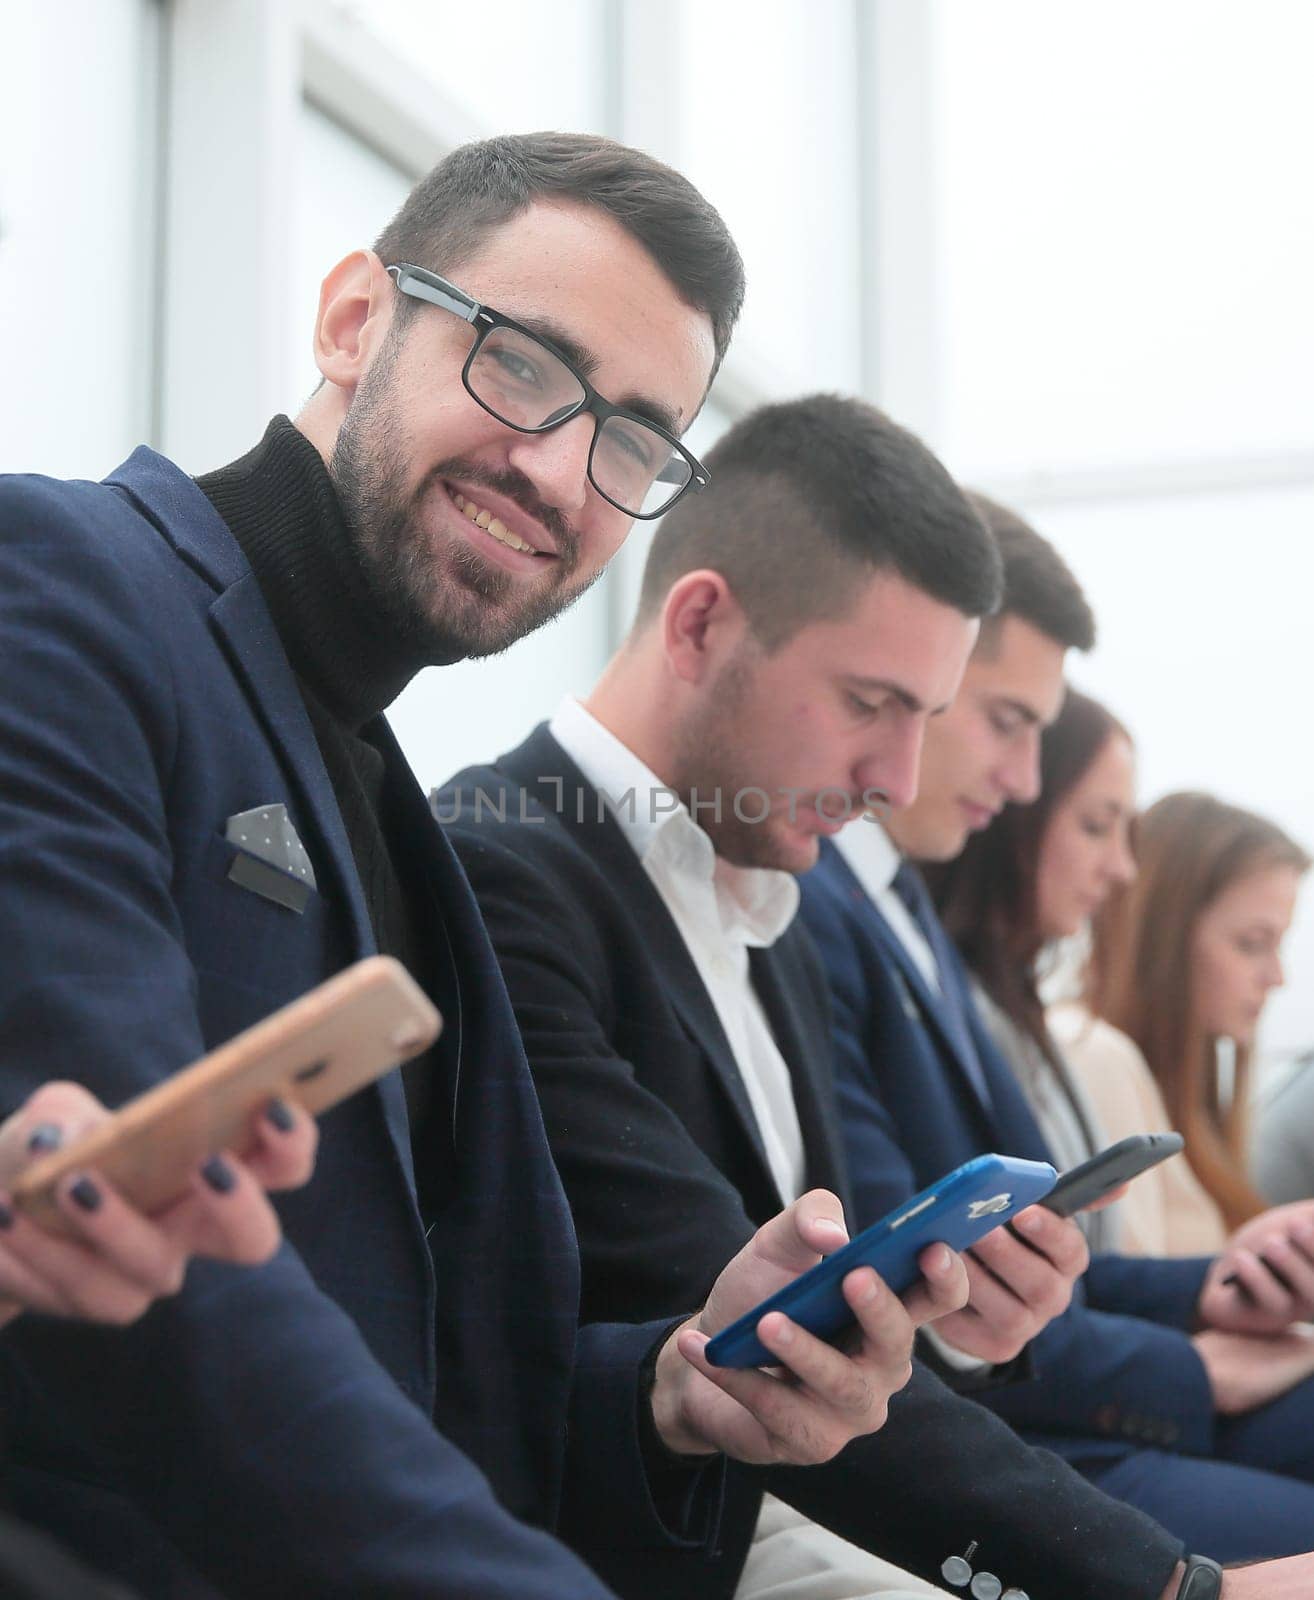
(272, 1428)
(1117, 1370)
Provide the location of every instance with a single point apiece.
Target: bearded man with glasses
(402, 1401)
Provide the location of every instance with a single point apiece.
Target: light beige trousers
(794, 1559)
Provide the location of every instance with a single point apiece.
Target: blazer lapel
(932, 1004)
(544, 769)
(246, 631)
(929, 1003)
(242, 621)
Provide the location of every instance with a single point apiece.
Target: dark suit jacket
(660, 1155)
(270, 1428)
(33, 1567)
(1117, 1370)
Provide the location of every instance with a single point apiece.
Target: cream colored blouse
(1165, 1212)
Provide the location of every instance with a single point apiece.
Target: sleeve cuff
(946, 1355)
(637, 1493)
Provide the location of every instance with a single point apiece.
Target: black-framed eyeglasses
(524, 381)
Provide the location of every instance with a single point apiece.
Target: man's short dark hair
(481, 186)
(1038, 584)
(810, 497)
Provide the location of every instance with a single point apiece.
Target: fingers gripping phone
(316, 1051)
(1083, 1185)
(958, 1210)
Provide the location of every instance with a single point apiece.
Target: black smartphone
(1081, 1186)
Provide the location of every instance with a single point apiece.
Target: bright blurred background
(1071, 245)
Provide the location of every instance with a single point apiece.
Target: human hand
(819, 1398)
(1264, 1279)
(1019, 1281)
(118, 1261)
(1291, 1578)
(1247, 1370)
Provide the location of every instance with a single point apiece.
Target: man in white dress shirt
(736, 726)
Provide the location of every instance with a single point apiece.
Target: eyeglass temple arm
(410, 281)
(673, 472)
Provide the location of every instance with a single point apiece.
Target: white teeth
(490, 524)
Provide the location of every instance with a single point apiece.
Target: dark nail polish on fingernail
(45, 1136)
(278, 1113)
(219, 1175)
(1283, 1281)
(6, 1217)
(84, 1193)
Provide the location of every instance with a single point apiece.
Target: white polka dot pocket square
(271, 859)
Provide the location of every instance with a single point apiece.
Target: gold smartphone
(316, 1051)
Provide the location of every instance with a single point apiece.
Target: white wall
(1071, 243)
(78, 258)
(1126, 231)
(1124, 337)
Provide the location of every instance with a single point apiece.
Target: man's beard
(451, 604)
(711, 762)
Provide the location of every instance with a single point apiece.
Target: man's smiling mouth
(484, 519)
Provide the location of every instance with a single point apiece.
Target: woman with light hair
(1188, 905)
(1184, 961)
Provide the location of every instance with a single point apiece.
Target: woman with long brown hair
(1183, 962)
(1035, 876)
(1184, 956)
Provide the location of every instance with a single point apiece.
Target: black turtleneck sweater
(351, 660)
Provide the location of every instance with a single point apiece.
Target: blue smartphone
(958, 1210)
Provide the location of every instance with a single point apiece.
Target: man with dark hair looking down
(798, 627)
(1122, 1383)
(505, 381)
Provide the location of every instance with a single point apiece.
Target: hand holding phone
(821, 1398)
(115, 1262)
(1263, 1281)
(316, 1051)
(956, 1211)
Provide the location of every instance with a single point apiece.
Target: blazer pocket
(235, 930)
(271, 883)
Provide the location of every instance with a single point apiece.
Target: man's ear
(355, 312)
(702, 623)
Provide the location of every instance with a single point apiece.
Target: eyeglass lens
(524, 383)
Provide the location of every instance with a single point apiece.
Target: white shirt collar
(873, 857)
(755, 904)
